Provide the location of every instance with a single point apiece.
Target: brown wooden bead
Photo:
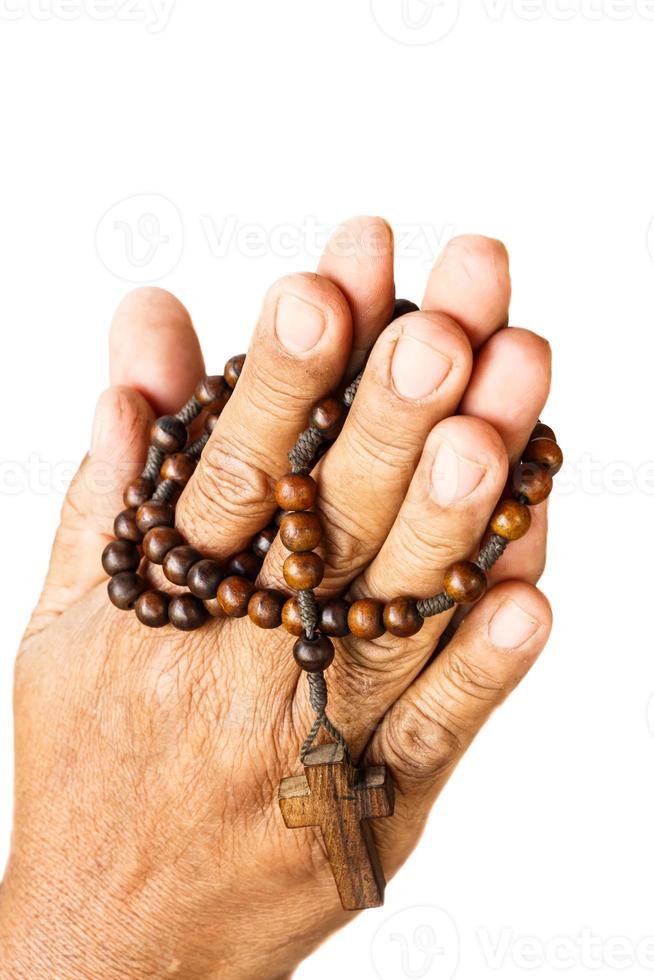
(245, 563)
(327, 416)
(214, 608)
(262, 541)
(159, 541)
(265, 608)
(120, 556)
(546, 452)
(304, 571)
(543, 431)
(126, 528)
(280, 514)
(204, 578)
(296, 492)
(125, 588)
(234, 594)
(155, 513)
(464, 582)
(179, 562)
(531, 482)
(404, 306)
(138, 491)
(168, 434)
(333, 618)
(313, 655)
(212, 390)
(511, 520)
(233, 369)
(366, 619)
(211, 421)
(291, 619)
(178, 467)
(300, 531)
(401, 617)
(186, 612)
(152, 608)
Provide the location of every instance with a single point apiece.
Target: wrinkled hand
(148, 840)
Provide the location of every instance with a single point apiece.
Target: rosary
(332, 794)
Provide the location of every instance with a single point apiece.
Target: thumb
(119, 444)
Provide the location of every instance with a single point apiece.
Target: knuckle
(229, 485)
(418, 744)
(464, 679)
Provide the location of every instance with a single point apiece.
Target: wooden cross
(340, 799)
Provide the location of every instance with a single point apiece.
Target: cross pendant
(340, 799)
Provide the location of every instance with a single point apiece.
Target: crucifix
(339, 799)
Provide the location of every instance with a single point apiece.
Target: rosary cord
(318, 699)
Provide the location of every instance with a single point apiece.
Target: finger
(510, 384)
(415, 376)
(119, 443)
(154, 349)
(298, 354)
(447, 508)
(471, 283)
(359, 260)
(426, 732)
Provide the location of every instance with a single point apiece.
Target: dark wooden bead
(313, 655)
(159, 541)
(304, 571)
(211, 421)
(179, 562)
(296, 492)
(280, 514)
(366, 619)
(300, 531)
(212, 390)
(511, 520)
(168, 434)
(245, 563)
(152, 608)
(401, 617)
(125, 588)
(233, 369)
(543, 431)
(234, 594)
(138, 491)
(178, 467)
(204, 578)
(262, 541)
(464, 581)
(404, 306)
(546, 452)
(333, 618)
(327, 416)
(186, 612)
(291, 619)
(126, 528)
(531, 482)
(120, 556)
(265, 608)
(155, 513)
(214, 608)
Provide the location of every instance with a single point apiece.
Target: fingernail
(299, 325)
(453, 477)
(417, 369)
(511, 626)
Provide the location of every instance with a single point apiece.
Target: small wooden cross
(340, 799)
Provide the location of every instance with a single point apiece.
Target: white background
(258, 126)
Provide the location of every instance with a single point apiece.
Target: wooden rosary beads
(331, 794)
